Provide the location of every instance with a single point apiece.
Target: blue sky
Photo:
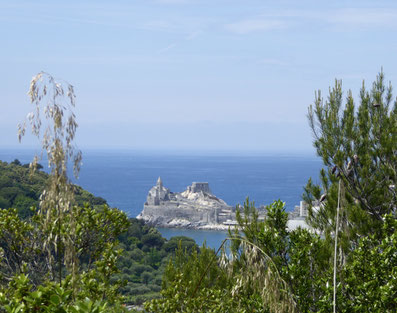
(190, 74)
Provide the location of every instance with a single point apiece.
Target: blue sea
(124, 177)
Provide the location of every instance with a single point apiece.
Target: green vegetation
(145, 252)
(20, 188)
(263, 273)
(357, 143)
(273, 269)
(145, 256)
(137, 253)
(33, 279)
(62, 258)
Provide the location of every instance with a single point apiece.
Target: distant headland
(197, 208)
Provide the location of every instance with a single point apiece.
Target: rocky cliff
(196, 207)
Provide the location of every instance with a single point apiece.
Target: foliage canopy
(358, 145)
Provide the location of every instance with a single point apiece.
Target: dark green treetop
(358, 145)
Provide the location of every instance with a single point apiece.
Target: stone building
(194, 207)
(157, 194)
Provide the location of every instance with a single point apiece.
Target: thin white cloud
(127, 16)
(363, 18)
(169, 47)
(194, 34)
(255, 25)
(338, 19)
(187, 25)
(190, 36)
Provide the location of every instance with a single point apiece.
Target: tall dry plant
(53, 122)
(257, 273)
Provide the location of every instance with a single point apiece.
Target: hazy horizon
(192, 75)
(36, 150)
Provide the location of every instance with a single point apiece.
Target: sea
(124, 177)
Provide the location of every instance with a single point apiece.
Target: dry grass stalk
(54, 101)
(258, 273)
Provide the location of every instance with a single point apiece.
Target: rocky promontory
(196, 207)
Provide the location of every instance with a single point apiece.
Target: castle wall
(197, 187)
(171, 211)
(163, 207)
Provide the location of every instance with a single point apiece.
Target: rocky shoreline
(292, 224)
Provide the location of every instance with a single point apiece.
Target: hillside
(21, 189)
(145, 257)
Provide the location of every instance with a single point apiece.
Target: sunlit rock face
(196, 207)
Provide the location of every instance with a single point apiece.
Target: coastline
(292, 224)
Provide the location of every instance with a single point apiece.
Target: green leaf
(55, 299)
